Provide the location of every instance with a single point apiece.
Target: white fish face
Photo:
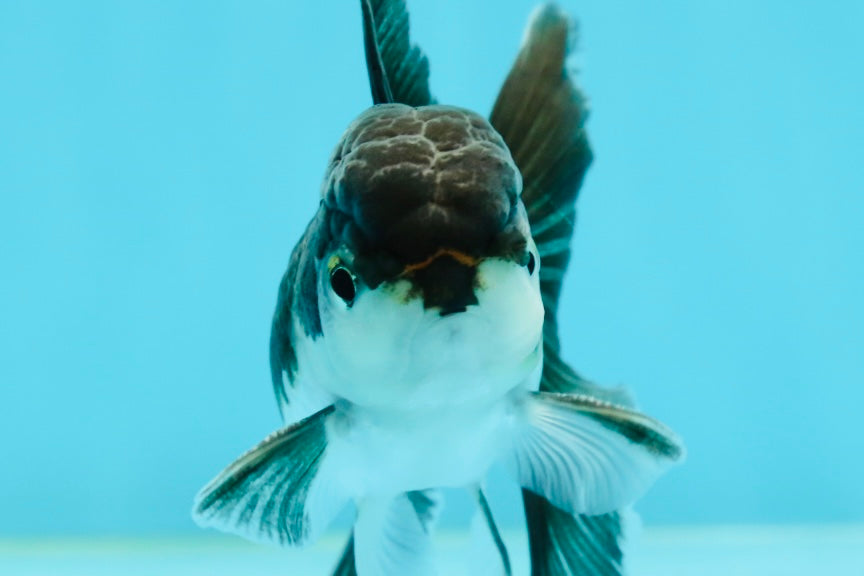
(385, 350)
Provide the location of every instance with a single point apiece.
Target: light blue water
(158, 160)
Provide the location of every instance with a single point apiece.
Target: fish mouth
(446, 280)
(458, 255)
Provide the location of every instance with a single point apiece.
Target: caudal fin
(541, 114)
(563, 544)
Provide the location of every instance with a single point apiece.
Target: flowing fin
(497, 541)
(283, 357)
(347, 566)
(590, 457)
(562, 544)
(391, 537)
(541, 115)
(297, 303)
(276, 491)
(398, 71)
(426, 505)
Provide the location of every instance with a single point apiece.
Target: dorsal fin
(378, 82)
(398, 71)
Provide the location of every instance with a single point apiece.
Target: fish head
(428, 277)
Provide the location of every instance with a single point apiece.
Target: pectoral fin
(276, 491)
(590, 457)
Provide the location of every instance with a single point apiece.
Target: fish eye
(343, 284)
(532, 262)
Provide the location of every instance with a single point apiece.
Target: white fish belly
(380, 452)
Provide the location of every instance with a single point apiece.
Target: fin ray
(561, 544)
(541, 115)
(426, 505)
(390, 537)
(494, 533)
(398, 70)
(347, 565)
(590, 457)
(270, 493)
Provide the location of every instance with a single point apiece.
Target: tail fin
(541, 115)
(562, 544)
(347, 566)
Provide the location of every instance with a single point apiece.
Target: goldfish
(415, 344)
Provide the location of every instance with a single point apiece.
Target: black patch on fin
(638, 428)
(398, 71)
(562, 544)
(263, 494)
(426, 504)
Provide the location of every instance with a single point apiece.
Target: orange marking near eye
(461, 257)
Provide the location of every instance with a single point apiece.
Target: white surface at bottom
(679, 551)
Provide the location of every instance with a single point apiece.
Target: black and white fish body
(408, 341)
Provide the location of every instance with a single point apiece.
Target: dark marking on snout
(446, 283)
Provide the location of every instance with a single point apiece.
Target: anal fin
(426, 504)
(393, 535)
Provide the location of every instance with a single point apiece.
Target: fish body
(414, 340)
(441, 338)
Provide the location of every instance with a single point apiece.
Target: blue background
(158, 160)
